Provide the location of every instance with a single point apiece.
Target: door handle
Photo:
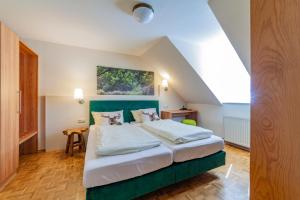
(20, 101)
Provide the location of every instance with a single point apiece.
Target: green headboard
(125, 105)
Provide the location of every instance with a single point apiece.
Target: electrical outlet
(81, 121)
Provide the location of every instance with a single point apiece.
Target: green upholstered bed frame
(126, 106)
(139, 186)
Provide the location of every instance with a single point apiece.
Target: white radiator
(237, 131)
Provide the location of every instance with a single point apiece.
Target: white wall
(61, 113)
(41, 122)
(168, 60)
(236, 110)
(63, 68)
(234, 17)
(211, 116)
(216, 62)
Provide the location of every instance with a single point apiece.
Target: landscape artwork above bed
(119, 81)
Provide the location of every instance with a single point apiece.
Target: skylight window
(223, 71)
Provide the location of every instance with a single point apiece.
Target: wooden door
(9, 103)
(275, 107)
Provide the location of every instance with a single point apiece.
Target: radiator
(237, 131)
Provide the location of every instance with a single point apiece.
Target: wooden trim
(26, 137)
(237, 146)
(27, 49)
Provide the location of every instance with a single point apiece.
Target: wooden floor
(54, 175)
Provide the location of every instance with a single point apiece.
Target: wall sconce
(78, 95)
(165, 84)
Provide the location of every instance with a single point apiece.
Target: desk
(188, 114)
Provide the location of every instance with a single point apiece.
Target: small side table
(71, 143)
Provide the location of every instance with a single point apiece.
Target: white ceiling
(107, 24)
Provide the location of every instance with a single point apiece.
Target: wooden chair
(71, 144)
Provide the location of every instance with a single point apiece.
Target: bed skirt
(139, 186)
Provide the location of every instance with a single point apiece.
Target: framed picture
(119, 81)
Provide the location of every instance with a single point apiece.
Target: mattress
(195, 149)
(103, 170)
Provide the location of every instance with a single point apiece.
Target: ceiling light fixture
(143, 12)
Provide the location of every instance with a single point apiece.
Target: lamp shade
(164, 83)
(78, 93)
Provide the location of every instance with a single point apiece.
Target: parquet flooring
(54, 175)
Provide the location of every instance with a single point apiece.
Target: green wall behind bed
(125, 105)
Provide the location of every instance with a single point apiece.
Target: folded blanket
(176, 132)
(124, 139)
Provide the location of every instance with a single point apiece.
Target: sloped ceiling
(167, 59)
(107, 25)
(234, 17)
(219, 66)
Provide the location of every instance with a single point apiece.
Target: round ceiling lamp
(143, 13)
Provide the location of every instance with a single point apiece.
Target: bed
(105, 170)
(147, 181)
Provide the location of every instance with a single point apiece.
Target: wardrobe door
(9, 103)
(275, 106)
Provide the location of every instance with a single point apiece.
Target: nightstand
(71, 144)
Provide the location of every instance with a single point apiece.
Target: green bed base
(139, 186)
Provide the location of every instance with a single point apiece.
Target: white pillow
(149, 114)
(137, 115)
(108, 118)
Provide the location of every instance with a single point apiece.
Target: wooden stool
(71, 143)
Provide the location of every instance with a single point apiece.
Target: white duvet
(176, 132)
(123, 139)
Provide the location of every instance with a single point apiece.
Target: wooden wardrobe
(9, 104)
(18, 102)
(275, 106)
